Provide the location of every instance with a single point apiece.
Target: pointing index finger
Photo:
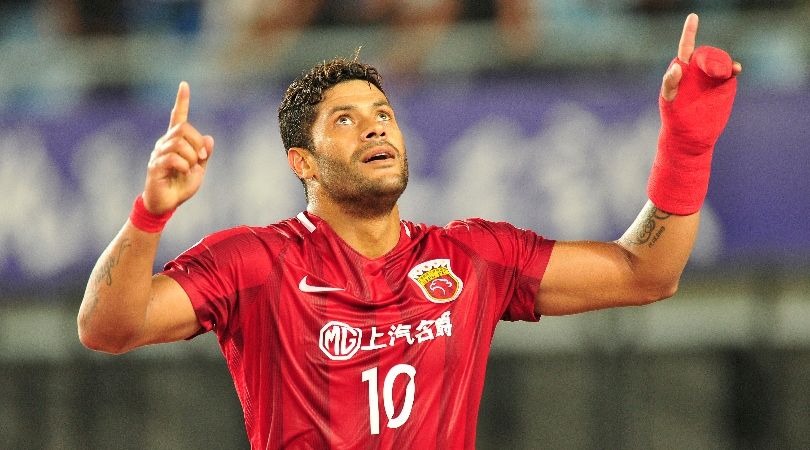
(687, 44)
(180, 110)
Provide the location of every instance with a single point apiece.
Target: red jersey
(329, 349)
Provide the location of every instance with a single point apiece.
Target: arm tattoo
(103, 273)
(649, 228)
(104, 270)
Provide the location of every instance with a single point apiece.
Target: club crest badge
(437, 280)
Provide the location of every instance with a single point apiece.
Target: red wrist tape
(144, 220)
(690, 125)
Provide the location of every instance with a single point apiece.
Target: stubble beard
(358, 195)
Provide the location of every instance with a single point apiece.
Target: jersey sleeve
(517, 259)
(210, 273)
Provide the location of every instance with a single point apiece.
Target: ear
(301, 162)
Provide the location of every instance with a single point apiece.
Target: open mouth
(379, 154)
(379, 157)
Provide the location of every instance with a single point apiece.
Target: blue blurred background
(539, 112)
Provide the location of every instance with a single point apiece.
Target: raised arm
(124, 305)
(646, 263)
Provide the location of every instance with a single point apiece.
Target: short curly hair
(297, 110)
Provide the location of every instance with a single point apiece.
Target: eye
(383, 115)
(344, 120)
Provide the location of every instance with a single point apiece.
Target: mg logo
(339, 341)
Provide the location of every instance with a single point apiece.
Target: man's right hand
(177, 164)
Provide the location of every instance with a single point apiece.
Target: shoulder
(245, 252)
(495, 240)
(464, 228)
(245, 236)
(477, 227)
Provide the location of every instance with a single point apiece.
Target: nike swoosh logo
(303, 286)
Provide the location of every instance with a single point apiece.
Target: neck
(370, 235)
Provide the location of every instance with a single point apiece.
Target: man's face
(359, 150)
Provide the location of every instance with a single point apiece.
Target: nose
(374, 132)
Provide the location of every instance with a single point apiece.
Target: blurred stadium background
(540, 112)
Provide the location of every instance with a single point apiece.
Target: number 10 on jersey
(370, 375)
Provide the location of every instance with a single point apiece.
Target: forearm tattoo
(103, 274)
(649, 228)
(106, 265)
